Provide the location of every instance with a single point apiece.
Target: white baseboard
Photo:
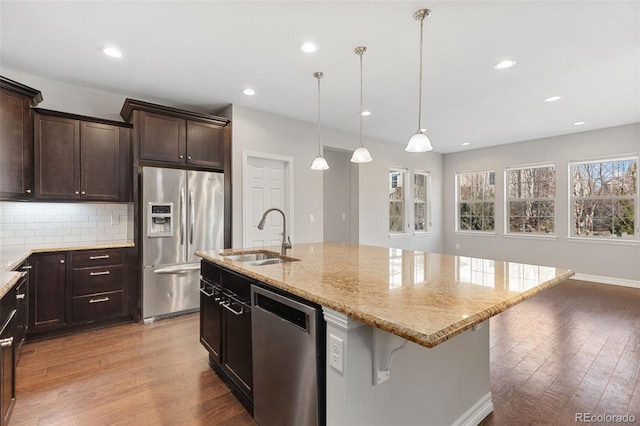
(476, 413)
(607, 280)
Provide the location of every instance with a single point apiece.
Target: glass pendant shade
(319, 163)
(361, 155)
(419, 143)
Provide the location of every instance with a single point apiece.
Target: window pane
(420, 217)
(605, 198)
(396, 179)
(396, 216)
(531, 204)
(476, 209)
(420, 187)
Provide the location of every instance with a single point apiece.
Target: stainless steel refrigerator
(183, 212)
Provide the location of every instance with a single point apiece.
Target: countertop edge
(426, 340)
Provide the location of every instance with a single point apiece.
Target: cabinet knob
(188, 157)
(28, 191)
(77, 192)
(83, 192)
(181, 156)
(61, 260)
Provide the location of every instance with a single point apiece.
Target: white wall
(259, 131)
(337, 196)
(601, 260)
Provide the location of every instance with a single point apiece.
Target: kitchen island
(413, 342)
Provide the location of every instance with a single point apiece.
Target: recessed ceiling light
(112, 51)
(365, 113)
(308, 47)
(464, 143)
(249, 92)
(553, 98)
(578, 123)
(507, 63)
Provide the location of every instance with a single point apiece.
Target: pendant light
(319, 163)
(361, 154)
(420, 142)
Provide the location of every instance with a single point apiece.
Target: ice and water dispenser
(160, 219)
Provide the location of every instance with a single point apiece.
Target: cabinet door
(237, 359)
(162, 138)
(16, 148)
(204, 144)
(7, 371)
(57, 150)
(99, 162)
(211, 320)
(47, 292)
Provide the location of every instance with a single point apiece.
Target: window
(476, 206)
(530, 199)
(397, 198)
(604, 197)
(421, 204)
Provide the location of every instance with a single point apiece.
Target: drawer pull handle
(20, 296)
(104, 256)
(6, 342)
(94, 274)
(104, 299)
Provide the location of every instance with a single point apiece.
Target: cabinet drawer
(90, 258)
(97, 306)
(97, 280)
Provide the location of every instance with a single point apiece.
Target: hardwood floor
(574, 348)
(134, 374)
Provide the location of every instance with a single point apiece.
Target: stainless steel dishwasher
(288, 360)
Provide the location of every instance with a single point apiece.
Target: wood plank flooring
(574, 348)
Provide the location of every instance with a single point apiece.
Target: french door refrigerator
(183, 212)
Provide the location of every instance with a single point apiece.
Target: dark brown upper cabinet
(169, 135)
(79, 158)
(16, 139)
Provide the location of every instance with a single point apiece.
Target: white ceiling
(202, 54)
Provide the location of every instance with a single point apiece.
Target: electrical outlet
(336, 353)
(311, 218)
(344, 216)
(457, 246)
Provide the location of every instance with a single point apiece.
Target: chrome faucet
(286, 241)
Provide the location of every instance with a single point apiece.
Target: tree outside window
(421, 205)
(397, 195)
(476, 201)
(530, 202)
(604, 197)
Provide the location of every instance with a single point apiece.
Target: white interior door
(267, 181)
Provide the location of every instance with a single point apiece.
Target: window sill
(422, 233)
(547, 237)
(400, 235)
(605, 240)
(477, 233)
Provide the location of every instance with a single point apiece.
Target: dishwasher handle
(284, 311)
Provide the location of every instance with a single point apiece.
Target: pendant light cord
(319, 138)
(361, 98)
(420, 89)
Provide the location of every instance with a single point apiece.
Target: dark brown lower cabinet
(225, 325)
(77, 290)
(47, 291)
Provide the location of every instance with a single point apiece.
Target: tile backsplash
(40, 224)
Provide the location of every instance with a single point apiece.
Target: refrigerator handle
(192, 217)
(182, 216)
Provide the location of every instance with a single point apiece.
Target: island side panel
(448, 384)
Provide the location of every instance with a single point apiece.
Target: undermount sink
(258, 258)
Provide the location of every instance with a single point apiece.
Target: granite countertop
(12, 256)
(426, 298)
